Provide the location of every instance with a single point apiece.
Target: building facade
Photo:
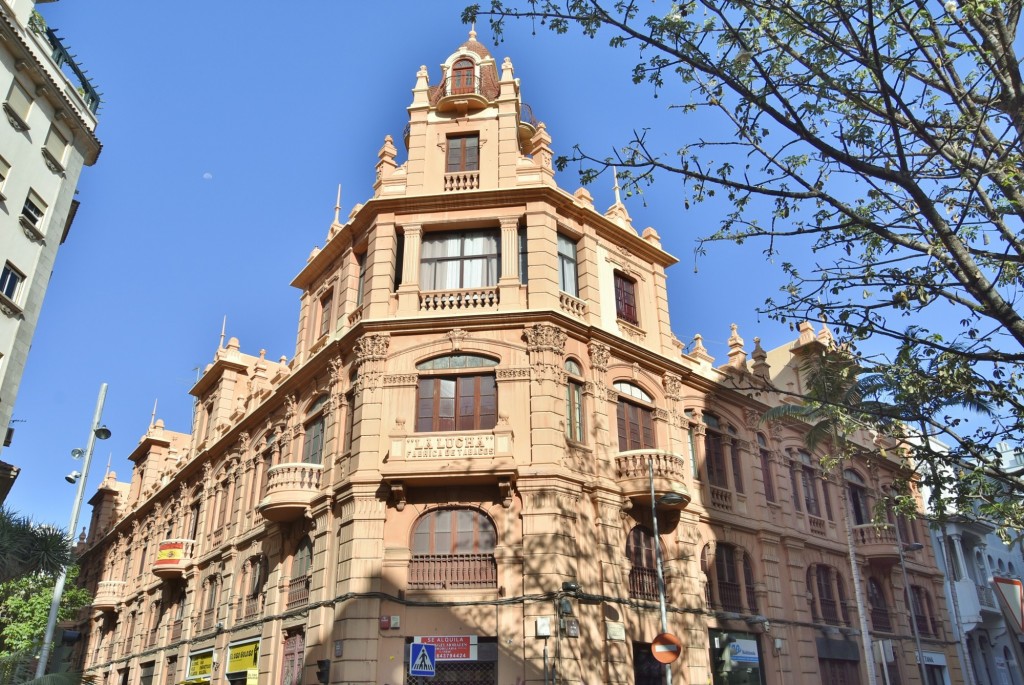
(46, 136)
(489, 440)
(972, 555)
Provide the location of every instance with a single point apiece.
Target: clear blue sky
(226, 129)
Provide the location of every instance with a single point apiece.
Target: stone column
(409, 291)
(508, 284)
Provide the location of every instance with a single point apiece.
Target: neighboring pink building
(460, 451)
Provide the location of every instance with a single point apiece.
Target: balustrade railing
(298, 591)
(643, 583)
(461, 300)
(452, 571)
(455, 181)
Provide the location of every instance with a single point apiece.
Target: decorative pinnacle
(472, 31)
(615, 172)
(337, 205)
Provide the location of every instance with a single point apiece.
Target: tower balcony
(172, 558)
(633, 472)
(876, 542)
(291, 489)
(108, 595)
(460, 95)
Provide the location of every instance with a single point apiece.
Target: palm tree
(27, 547)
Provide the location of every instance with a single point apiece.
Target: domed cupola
(469, 79)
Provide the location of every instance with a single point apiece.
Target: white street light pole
(96, 431)
(657, 562)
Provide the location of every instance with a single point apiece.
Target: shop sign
(242, 657)
(252, 676)
(200, 665)
(451, 647)
(934, 658)
(743, 651)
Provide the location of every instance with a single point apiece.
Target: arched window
(302, 565)
(828, 596)
(463, 77)
(457, 400)
(453, 549)
(574, 402)
(924, 613)
(718, 440)
(254, 578)
(635, 419)
(809, 486)
(643, 571)
(212, 595)
(880, 619)
(731, 586)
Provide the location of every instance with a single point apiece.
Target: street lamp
(911, 547)
(668, 499)
(96, 431)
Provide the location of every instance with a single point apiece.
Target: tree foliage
(25, 606)
(886, 136)
(27, 547)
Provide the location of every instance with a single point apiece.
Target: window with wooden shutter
(625, 298)
(463, 153)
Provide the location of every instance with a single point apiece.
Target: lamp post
(96, 431)
(912, 547)
(669, 498)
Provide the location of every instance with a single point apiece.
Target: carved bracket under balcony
(633, 472)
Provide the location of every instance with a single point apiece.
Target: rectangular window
(361, 283)
(766, 475)
(625, 299)
(636, 428)
(19, 102)
(524, 262)
(5, 171)
(10, 282)
(794, 476)
(56, 144)
(463, 153)
(313, 444)
(34, 209)
(399, 259)
(568, 279)
(574, 411)
(457, 403)
(737, 474)
(466, 259)
(325, 314)
(714, 460)
(810, 491)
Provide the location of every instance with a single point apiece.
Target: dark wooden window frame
(625, 299)
(463, 153)
(472, 404)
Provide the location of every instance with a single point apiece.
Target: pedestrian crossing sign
(422, 658)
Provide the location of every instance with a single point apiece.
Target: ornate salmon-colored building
(457, 469)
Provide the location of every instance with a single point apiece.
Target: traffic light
(323, 671)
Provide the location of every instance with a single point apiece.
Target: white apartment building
(47, 134)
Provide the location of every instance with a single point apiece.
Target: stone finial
(651, 236)
(506, 69)
(806, 333)
(584, 196)
(617, 213)
(313, 253)
(760, 366)
(699, 351)
(737, 355)
(825, 336)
